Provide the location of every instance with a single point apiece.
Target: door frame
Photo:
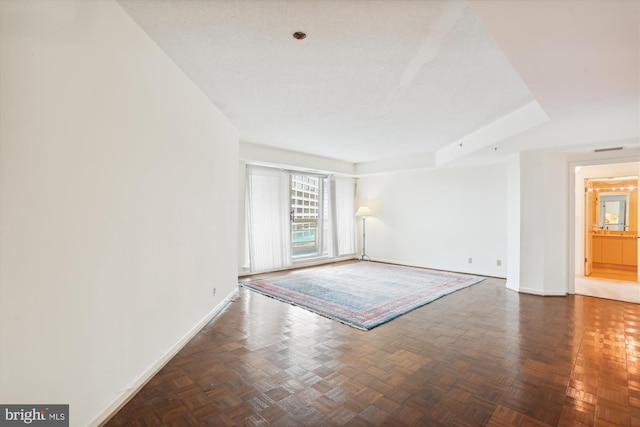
(575, 235)
(588, 219)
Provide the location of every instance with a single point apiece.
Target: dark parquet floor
(480, 356)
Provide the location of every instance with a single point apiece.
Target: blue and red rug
(363, 294)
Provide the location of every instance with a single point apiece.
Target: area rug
(363, 294)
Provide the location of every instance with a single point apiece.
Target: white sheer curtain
(342, 208)
(269, 227)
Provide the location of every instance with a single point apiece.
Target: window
(293, 216)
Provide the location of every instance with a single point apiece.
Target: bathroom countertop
(614, 234)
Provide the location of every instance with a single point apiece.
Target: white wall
(438, 218)
(541, 209)
(513, 222)
(556, 224)
(547, 217)
(532, 232)
(117, 218)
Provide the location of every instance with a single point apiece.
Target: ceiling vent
(601, 150)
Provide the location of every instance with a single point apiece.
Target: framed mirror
(613, 211)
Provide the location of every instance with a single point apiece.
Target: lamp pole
(364, 212)
(364, 254)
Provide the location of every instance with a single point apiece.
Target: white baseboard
(306, 263)
(130, 392)
(540, 293)
(475, 273)
(512, 287)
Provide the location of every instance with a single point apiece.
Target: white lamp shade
(363, 211)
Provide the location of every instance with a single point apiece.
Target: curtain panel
(344, 215)
(269, 228)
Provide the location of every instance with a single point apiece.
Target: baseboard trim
(511, 287)
(130, 392)
(491, 275)
(541, 293)
(302, 264)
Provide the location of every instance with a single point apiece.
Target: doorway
(607, 231)
(611, 227)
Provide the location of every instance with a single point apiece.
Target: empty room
(319, 212)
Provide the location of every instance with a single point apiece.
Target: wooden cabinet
(614, 250)
(630, 252)
(611, 250)
(596, 250)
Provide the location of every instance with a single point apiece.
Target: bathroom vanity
(614, 249)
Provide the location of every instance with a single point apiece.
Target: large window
(307, 215)
(293, 216)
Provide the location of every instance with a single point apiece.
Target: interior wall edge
(275, 157)
(107, 413)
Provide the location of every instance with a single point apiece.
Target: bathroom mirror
(613, 211)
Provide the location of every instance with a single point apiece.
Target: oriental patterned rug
(363, 294)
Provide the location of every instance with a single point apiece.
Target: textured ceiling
(372, 80)
(405, 82)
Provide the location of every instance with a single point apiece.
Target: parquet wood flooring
(480, 356)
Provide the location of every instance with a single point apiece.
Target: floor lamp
(364, 212)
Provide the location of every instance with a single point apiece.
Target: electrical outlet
(499, 263)
(470, 260)
(214, 292)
